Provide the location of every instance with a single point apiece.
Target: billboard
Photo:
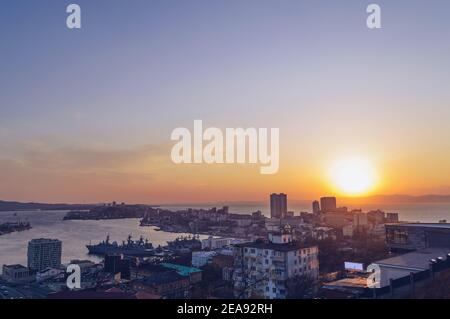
(353, 266)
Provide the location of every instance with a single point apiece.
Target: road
(8, 291)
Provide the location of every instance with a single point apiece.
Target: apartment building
(44, 253)
(263, 268)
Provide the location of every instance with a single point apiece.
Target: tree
(300, 287)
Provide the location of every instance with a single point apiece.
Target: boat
(185, 244)
(139, 248)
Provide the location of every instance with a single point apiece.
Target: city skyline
(86, 115)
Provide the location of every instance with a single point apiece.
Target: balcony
(278, 258)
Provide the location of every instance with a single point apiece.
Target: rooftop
(16, 266)
(44, 240)
(271, 246)
(181, 270)
(428, 225)
(355, 282)
(417, 260)
(347, 286)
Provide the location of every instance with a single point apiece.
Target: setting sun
(353, 176)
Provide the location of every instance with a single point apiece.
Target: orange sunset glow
(360, 112)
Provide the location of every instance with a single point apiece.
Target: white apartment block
(262, 269)
(202, 258)
(213, 243)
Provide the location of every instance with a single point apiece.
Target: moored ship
(139, 248)
(182, 244)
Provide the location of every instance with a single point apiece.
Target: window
(274, 290)
(397, 236)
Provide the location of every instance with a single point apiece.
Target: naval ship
(139, 248)
(185, 244)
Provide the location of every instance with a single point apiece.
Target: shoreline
(175, 231)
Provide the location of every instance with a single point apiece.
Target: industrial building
(413, 236)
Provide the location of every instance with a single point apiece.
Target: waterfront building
(17, 274)
(328, 204)
(278, 205)
(263, 268)
(44, 253)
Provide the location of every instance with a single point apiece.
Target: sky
(86, 115)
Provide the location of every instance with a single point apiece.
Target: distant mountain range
(398, 198)
(380, 199)
(13, 206)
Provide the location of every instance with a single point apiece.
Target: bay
(74, 234)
